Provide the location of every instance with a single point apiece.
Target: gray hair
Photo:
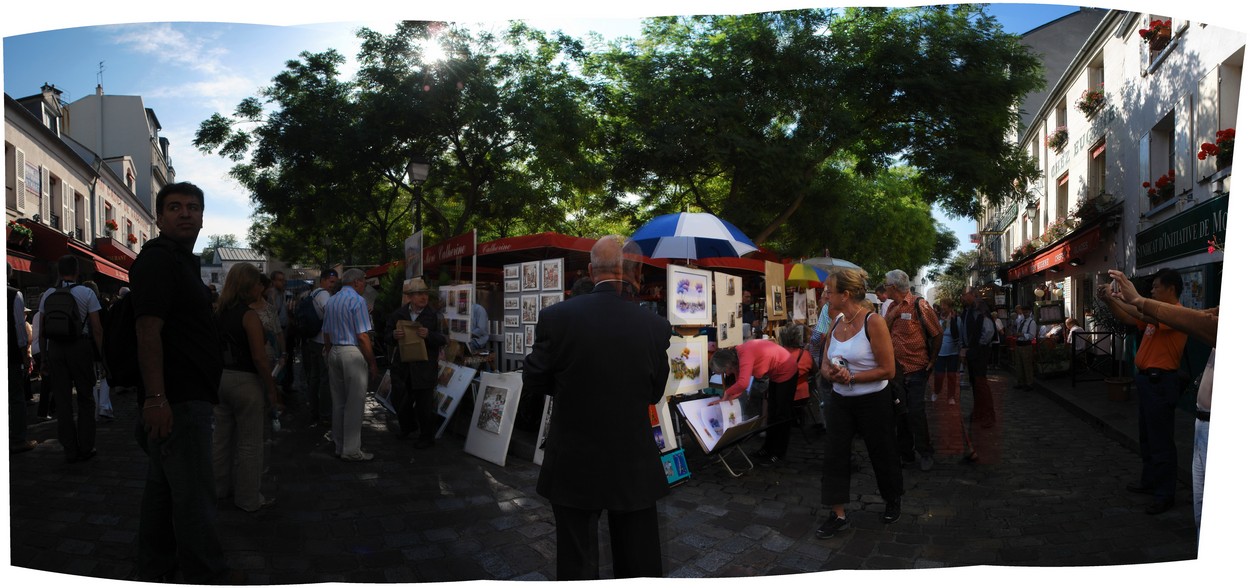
(791, 336)
(898, 278)
(614, 255)
(724, 358)
(353, 274)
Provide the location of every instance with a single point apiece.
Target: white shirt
(320, 299)
(857, 351)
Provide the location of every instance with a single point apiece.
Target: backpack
(121, 346)
(307, 323)
(61, 322)
(931, 342)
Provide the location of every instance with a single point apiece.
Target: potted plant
(1053, 357)
(1157, 34)
(1092, 100)
(1222, 148)
(110, 226)
(132, 239)
(1162, 190)
(17, 234)
(1058, 139)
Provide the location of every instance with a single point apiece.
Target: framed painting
(447, 395)
(540, 447)
(529, 276)
(774, 291)
(508, 347)
(547, 299)
(512, 285)
(728, 304)
(529, 309)
(511, 321)
(553, 274)
(512, 303)
(494, 414)
(689, 296)
(529, 335)
(687, 362)
(675, 467)
(512, 271)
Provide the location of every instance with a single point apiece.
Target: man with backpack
(70, 333)
(308, 318)
(917, 337)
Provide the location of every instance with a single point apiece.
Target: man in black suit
(602, 359)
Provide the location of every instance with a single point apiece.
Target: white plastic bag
(103, 404)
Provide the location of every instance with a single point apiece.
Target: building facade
(1122, 183)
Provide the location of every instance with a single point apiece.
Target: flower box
(1222, 148)
(1157, 35)
(1057, 140)
(1092, 100)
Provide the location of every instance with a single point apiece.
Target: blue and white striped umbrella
(692, 235)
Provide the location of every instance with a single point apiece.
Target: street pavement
(1048, 491)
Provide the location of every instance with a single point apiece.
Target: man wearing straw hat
(414, 381)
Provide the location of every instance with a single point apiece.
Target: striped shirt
(347, 315)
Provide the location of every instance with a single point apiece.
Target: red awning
(20, 263)
(1059, 254)
(112, 250)
(102, 266)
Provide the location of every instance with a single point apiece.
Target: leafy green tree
(954, 280)
(740, 115)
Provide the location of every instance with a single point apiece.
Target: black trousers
(780, 411)
(1156, 424)
(415, 410)
(872, 416)
(73, 383)
(635, 537)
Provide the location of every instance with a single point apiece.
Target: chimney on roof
(99, 90)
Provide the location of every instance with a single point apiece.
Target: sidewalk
(1117, 419)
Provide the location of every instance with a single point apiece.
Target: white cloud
(171, 46)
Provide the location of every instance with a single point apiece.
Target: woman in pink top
(763, 357)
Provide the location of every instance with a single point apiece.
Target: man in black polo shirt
(180, 360)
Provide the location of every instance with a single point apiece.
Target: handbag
(103, 403)
(753, 399)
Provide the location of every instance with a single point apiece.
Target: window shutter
(45, 196)
(1184, 121)
(19, 173)
(1143, 171)
(67, 209)
(1206, 119)
(1143, 48)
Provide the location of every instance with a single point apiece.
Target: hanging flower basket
(1157, 35)
(17, 234)
(1092, 100)
(1058, 139)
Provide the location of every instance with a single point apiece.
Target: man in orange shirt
(917, 338)
(1158, 388)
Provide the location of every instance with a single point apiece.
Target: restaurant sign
(1184, 234)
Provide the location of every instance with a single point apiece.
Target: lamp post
(325, 242)
(418, 171)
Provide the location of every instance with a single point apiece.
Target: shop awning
(1059, 254)
(102, 266)
(20, 263)
(116, 253)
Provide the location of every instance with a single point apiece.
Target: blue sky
(186, 71)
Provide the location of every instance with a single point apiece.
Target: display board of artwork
(774, 291)
(529, 287)
(458, 310)
(494, 413)
(728, 310)
(689, 296)
(384, 392)
(453, 381)
(717, 424)
(675, 467)
(539, 447)
(687, 365)
(804, 305)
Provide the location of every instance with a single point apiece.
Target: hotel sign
(1184, 234)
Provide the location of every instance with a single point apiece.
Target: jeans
(178, 514)
(349, 380)
(238, 438)
(913, 427)
(1156, 423)
(1201, 428)
(71, 368)
(780, 415)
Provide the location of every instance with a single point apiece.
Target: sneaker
(360, 456)
(831, 526)
(1138, 488)
(23, 446)
(926, 463)
(893, 510)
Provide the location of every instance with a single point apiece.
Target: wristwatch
(852, 381)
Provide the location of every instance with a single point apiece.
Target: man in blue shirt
(349, 356)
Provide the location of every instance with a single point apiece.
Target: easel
(716, 456)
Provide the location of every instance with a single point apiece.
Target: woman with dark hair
(238, 429)
(763, 358)
(859, 359)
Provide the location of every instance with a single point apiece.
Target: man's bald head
(614, 257)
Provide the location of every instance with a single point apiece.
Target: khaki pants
(1024, 364)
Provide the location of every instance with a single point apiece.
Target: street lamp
(418, 171)
(1031, 210)
(325, 242)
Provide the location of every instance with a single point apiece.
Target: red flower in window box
(110, 224)
(1157, 34)
(132, 238)
(1222, 148)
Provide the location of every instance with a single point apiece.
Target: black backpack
(307, 323)
(61, 322)
(121, 345)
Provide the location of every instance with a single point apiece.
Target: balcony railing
(999, 221)
(54, 221)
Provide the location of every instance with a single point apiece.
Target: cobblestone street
(1048, 491)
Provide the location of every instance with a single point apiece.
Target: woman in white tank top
(859, 360)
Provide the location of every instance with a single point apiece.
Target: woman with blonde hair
(859, 359)
(238, 429)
